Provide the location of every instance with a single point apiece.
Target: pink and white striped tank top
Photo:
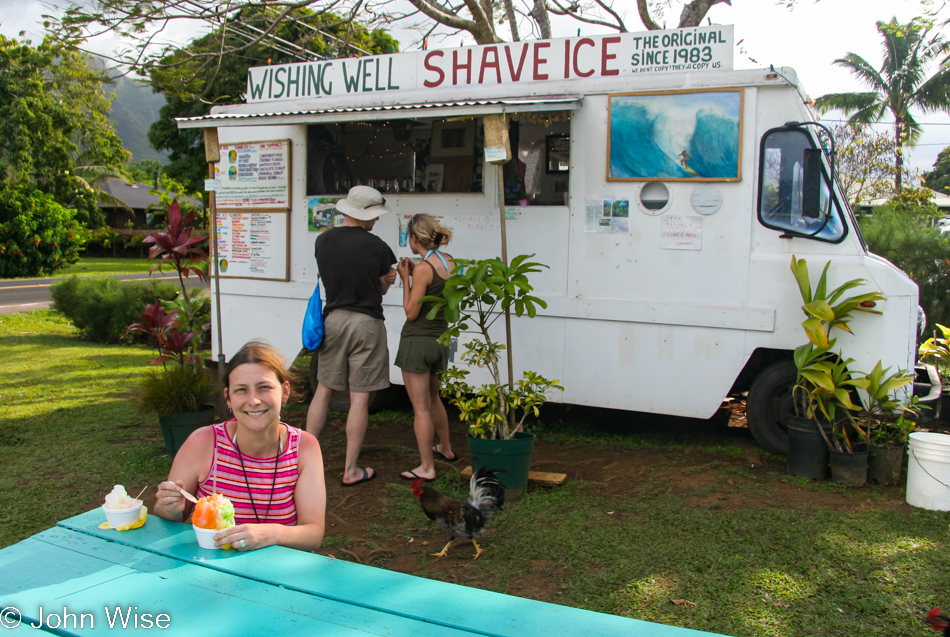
(227, 478)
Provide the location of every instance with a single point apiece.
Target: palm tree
(901, 84)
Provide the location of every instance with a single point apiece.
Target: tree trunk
(898, 157)
(540, 15)
(694, 12)
(512, 20)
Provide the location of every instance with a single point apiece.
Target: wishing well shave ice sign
(581, 58)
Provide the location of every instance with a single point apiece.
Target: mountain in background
(134, 109)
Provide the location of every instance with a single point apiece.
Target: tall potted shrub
(178, 393)
(475, 297)
(825, 382)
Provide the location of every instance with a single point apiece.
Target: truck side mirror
(811, 183)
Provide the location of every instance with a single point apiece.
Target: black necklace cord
(273, 486)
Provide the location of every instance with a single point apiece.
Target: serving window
(541, 174)
(403, 155)
(440, 155)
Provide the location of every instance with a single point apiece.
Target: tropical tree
(143, 22)
(898, 86)
(938, 179)
(54, 117)
(863, 162)
(227, 79)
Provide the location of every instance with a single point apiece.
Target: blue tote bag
(313, 321)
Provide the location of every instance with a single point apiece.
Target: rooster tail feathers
(486, 492)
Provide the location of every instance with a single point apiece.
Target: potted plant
(822, 395)
(476, 295)
(180, 392)
(886, 428)
(936, 351)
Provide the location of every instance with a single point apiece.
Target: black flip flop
(366, 478)
(415, 477)
(438, 453)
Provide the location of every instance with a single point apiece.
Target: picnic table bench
(75, 579)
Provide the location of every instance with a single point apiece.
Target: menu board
(254, 176)
(253, 245)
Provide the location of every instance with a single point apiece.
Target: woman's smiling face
(255, 395)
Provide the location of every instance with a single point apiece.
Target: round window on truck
(654, 198)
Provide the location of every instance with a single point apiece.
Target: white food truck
(666, 192)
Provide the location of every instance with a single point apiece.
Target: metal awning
(398, 111)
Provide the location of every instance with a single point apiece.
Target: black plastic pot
(849, 469)
(177, 428)
(885, 463)
(807, 452)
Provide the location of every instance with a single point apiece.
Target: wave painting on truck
(681, 135)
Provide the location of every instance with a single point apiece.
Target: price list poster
(253, 209)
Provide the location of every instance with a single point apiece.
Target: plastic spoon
(187, 495)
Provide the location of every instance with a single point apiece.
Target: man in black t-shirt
(356, 269)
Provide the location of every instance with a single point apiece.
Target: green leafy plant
(103, 307)
(37, 235)
(936, 351)
(884, 417)
(476, 296)
(179, 388)
(825, 383)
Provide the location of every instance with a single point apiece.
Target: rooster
(460, 518)
(938, 621)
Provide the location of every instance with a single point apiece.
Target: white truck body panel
(629, 324)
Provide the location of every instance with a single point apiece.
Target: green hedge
(104, 307)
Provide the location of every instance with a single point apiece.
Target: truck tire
(341, 400)
(770, 404)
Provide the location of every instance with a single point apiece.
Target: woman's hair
(428, 232)
(261, 353)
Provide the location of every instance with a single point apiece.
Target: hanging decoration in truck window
(675, 136)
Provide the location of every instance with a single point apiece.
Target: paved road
(26, 295)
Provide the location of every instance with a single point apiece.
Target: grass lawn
(69, 431)
(100, 266)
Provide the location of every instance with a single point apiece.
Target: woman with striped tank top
(271, 472)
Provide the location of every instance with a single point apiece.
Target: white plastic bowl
(122, 517)
(205, 537)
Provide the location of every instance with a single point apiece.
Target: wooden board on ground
(541, 478)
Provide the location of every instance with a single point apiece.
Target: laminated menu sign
(252, 245)
(254, 176)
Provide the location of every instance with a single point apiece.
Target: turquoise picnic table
(77, 579)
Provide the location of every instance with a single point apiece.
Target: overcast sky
(807, 39)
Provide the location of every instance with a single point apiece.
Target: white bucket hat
(363, 203)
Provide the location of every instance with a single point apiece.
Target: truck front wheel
(770, 404)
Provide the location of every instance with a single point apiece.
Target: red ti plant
(179, 249)
(164, 329)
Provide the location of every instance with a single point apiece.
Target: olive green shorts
(355, 355)
(421, 355)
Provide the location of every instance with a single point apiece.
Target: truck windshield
(781, 176)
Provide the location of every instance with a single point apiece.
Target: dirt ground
(359, 512)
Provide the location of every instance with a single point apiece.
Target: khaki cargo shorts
(355, 353)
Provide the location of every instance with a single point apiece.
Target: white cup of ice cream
(205, 537)
(122, 517)
(120, 509)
